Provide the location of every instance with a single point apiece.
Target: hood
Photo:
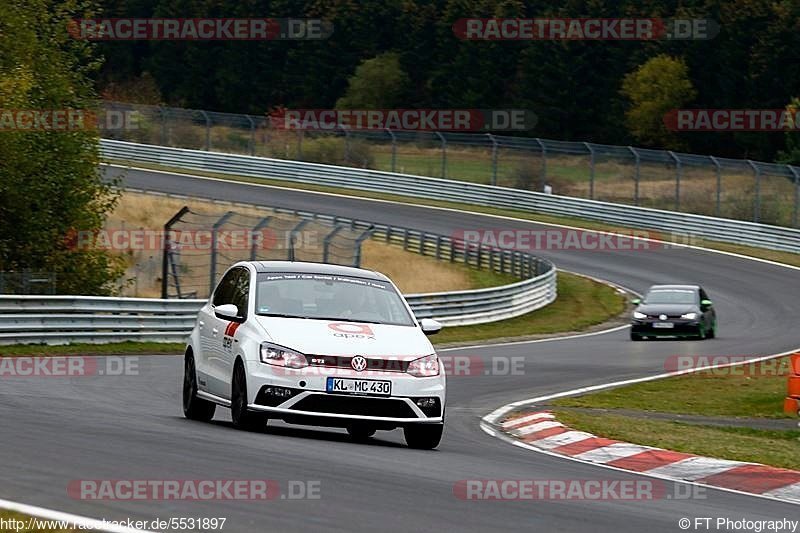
(667, 309)
(328, 337)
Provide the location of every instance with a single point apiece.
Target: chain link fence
(730, 188)
(200, 246)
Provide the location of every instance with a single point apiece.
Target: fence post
(796, 175)
(208, 130)
(444, 153)
(326, 242)
(543, 177)
(252, 135)
(394, 148)
(678, 170)
(757, 184)
(494, 158)
(718, 170)
(263, 223)
(165, 258)
(346, 143)
(422, 237)
(591, 170)
(361, 238)
(162, 111)
(636, 174)
(213, 270)
(292, 233)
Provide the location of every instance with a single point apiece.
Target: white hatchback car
(315, 344)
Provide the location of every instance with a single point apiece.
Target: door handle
(215, 331)
(201, 323)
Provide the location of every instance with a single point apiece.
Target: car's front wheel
(241, 416)
(423, 436)
(194, 408)
(636, 336)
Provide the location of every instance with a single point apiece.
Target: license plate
(359, 386)
(664, 325)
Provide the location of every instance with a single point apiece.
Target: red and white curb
(541, 431)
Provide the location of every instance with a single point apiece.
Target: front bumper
(306, 400)
(679, 328)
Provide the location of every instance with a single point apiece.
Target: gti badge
(359, 363)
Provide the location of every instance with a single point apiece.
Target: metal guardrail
(90, 319)
(740, 189)
(720, 229)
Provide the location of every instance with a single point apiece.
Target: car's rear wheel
(423, 436)
(360, 433)
(194, 408)
(242, 418)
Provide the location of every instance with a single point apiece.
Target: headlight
(273, 354)
(637, 314)
(689, 316)
(424, 366)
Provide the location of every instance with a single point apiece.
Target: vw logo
(662, 317)
(359, 363)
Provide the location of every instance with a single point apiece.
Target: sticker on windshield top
(328, 278)
(348, 330)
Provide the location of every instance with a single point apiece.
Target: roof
(675, 287)
(316, 268)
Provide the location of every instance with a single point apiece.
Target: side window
(241, 291)
(223, 294)
(703, 295)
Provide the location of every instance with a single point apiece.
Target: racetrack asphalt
(56, 430)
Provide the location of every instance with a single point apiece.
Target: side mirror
(706, 303)
(430, 326)
(636, 301)
(228, 312)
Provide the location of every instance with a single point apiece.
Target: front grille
(355, 405)
(375, 364)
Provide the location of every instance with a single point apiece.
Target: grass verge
(113, 348)
(581, 303)
(772, 447)
(753, 391)
(751, 251)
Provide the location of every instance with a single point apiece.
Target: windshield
(330, 297)
(670, 297)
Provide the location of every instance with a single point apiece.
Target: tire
(423, 436)
(360, 433)
(636, 337)
(712, 332)
(241, 417)
(194, 408)
(701, 332)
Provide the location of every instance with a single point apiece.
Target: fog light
(278, 392)
(426, 403)
(430, 406)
